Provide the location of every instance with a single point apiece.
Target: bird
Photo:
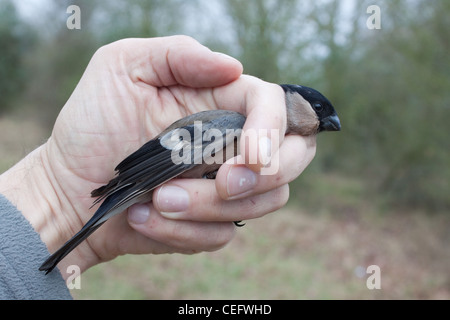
(179, 152)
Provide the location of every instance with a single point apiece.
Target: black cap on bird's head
(326, 118)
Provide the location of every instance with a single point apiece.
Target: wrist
(29, 186)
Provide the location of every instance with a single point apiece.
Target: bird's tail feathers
(56, 257)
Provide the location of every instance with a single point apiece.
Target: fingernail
(138, 213)
(173, 201)
(240, 180)
(265, 150)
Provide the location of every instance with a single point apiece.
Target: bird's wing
(159, 160)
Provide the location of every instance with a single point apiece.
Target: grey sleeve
(21, 253)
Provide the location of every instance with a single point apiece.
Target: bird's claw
(239, 223)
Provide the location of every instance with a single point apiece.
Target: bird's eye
(317, 107)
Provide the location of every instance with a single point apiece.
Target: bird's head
(309, 111)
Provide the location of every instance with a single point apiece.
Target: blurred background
(377, 193)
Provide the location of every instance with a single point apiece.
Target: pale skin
(132, 90)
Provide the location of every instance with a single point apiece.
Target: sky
(30, 9)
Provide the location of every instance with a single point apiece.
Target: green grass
(292, 255)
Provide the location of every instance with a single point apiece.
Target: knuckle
(183, 39)
(107, 49)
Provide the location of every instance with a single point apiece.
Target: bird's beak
(330, 123)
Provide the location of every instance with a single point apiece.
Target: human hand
(132, 90)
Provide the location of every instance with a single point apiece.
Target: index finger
(175, 60)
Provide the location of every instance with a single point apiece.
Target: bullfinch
(191, 148)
